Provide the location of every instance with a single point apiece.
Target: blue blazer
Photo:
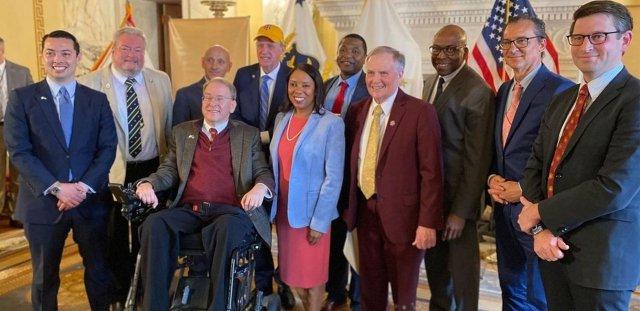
(37, 147)
(188, 103)
(510, 161)
(247, 83)
(316, 171)
(358, 94)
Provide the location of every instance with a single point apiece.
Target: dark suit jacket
(509, 161)
(17, 76)
(37, 147)
(596, 204)
(248, 161)
(358, 94)
(247, 83)
(409, 170)
(466, 110)
(188, 103)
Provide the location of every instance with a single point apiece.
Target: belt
(141, 163)
(209, 209)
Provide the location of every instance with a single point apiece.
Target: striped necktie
(134, 119)
(264, 101)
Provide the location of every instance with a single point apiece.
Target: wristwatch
(55, 189)
(537, 229)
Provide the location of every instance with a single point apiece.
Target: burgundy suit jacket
(409, 180)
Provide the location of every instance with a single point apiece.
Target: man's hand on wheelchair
(254, 197)
(145, 192)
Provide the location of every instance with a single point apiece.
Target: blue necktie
(66, 113)
(264, 101)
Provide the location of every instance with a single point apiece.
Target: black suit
(188, 103)
(38, 149)
(595, 207)
(338, 264)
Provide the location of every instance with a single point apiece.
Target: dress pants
(264, 263)
(518, 269)
(120, 255)
(46, 243)
(339, 267)
(7, 206)
(564, 295)
(225, 229)
(453, 271)
(383, 262)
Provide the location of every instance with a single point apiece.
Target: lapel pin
(108, 85)
(253, 76)
(392, 123)
(43, 97)
(192, 136)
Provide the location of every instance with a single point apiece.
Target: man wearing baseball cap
(261, 91)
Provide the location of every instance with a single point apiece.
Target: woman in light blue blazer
(307, 156)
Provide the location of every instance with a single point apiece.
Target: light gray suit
(248, 161)
(466, 111)
(17, 76)
(159, 90)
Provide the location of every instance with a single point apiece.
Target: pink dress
(301, 264)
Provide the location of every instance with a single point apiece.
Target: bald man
(215, 63)
(465, 107)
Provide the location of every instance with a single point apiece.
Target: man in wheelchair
(222, 178)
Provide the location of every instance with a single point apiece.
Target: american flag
(486, 55)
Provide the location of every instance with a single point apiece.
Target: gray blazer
(17, 76)
(596, 203)
(466, 111)
(248, 161)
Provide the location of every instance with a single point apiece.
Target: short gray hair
(398, 57)
(223, 81)
(130, 31)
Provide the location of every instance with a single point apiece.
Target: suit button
(559, 176)
(67, 156)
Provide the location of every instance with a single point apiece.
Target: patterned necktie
(3, 95)
(264, 101)
(214, 134)
(134, 119)
(368, 182)
(569, 129)
(439, 89)
(337, 104)
(507, 121)
(66, 113)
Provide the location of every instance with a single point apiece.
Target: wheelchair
(191, 290)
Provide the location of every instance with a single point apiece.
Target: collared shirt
(333, 91)
(384, 119)
(525, 83)
(272, 82)
(219, 127)
(149, 143)
(447, 79)
(595, 86)
(55, 91)
(4, 89)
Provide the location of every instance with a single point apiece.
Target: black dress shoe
(287, 299)
(116, 306)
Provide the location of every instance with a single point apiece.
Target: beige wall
(17, 28)
(632, 57)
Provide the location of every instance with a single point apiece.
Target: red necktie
(214, 134)
(511, 112)
(569, 128)
(337, 105)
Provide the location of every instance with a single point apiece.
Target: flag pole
(503, 74)
(128, 18)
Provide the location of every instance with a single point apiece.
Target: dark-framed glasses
(215, 99)
(518, 42)
(595, 38)
(448, 50)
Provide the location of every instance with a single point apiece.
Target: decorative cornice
(38, 20)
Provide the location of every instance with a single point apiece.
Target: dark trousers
(123, 243)
(339, 267)
(383, 262)
(564, 295)
(518, 268)
(226, 228)
(453, 271)
(264, 264)
(46, 243)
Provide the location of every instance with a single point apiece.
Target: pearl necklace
(289, 138)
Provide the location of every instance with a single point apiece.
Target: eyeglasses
(127, 49)
(448, 50)
(518, 42)
(595, 38)
(215, 99)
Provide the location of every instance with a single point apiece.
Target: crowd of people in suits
(354, 153)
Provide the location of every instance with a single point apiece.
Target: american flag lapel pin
(191, 136)
(392, 123)
(43, 98)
